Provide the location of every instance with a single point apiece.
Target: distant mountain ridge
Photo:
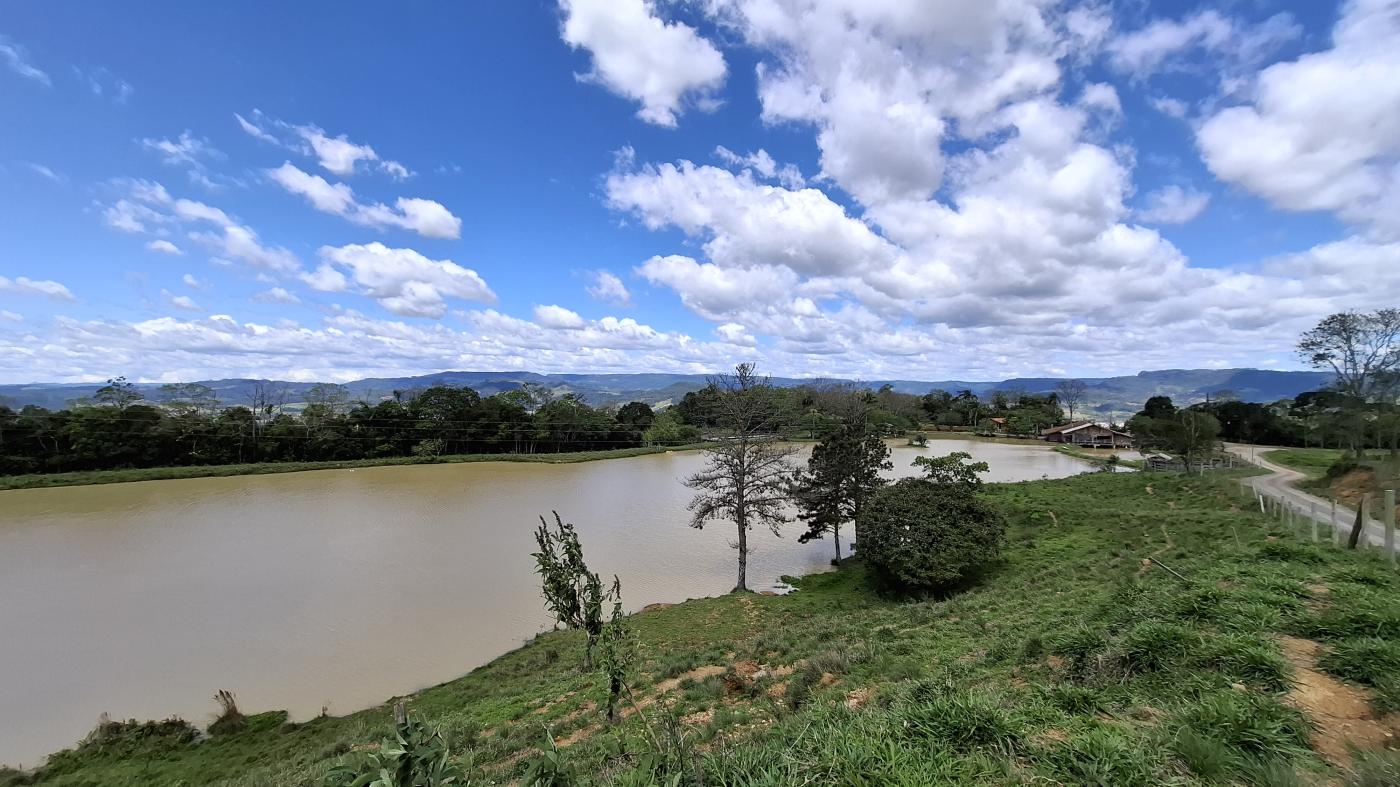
(1107, 396)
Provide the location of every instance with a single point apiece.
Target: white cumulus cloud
(401, 280)
(23, 285)
(1322, 132)
(423, 216)
(608, 288)
(643, 57)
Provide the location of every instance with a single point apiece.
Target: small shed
(1088, 434)
(1160, 461)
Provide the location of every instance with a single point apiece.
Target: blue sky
(871, 189)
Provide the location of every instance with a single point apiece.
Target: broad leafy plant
(414, 756)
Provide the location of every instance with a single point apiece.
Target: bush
(919, 537)
(1341, 467)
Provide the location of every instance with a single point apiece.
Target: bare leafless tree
(1071, 394)
(745, 479)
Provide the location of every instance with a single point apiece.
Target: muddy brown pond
(338, 588)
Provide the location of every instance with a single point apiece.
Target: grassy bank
(1371, 475)
(1074, 661)
(1312, 462)
(1098, 456)
(939, 435)
(261, 468)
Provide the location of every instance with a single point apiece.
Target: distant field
(262, 468)
(1312, 461)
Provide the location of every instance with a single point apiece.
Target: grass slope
(261, 468)
(1311, 461)
(1072, 662)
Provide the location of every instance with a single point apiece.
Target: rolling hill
(1107, 396)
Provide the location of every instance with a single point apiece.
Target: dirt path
(1280, 484)
(1341, 712)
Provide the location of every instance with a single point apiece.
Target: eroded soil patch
(1342, 713)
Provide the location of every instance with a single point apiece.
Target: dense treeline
(118, 429)
(1324, 419)
(187, 425)
(1360, 410)
(1016, 412)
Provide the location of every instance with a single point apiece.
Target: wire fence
(1326, 521)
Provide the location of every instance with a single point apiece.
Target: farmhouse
(1089, 435)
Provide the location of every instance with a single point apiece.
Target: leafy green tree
(953, 470)
(1159, 407)
(572, 593)
(842, 473)
(117, 393)
(669, 429)
(1362, 350)
(919, 537)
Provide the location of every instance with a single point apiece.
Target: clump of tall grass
(962, 721)
(1247, 658)
(1153, 645)
(1375, 769)
(1370, 661)
(1103, 758)
(230, 718)
(1247, 722)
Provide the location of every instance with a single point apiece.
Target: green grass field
(1312, 461)
(1074, 661)
(217, 471)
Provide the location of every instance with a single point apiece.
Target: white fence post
(1388, 517)
(1336, 531)
(1312, 517)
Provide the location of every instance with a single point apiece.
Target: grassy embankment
(1074, 661)
(1373, 474)
(1312, 462)
(261, 468)
(1098, 456)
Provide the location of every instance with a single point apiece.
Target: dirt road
(1279, 485)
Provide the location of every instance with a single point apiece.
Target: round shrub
(918, 537)
(1342, 467)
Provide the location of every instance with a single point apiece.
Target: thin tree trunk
(1360, 522)
(743, 586)
(836, 536)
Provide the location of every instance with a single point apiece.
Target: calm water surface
(337, 588)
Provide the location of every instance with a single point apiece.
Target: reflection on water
(338, 588)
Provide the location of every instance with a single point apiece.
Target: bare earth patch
(855, 700)
(1342, 713)
(698, 718)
